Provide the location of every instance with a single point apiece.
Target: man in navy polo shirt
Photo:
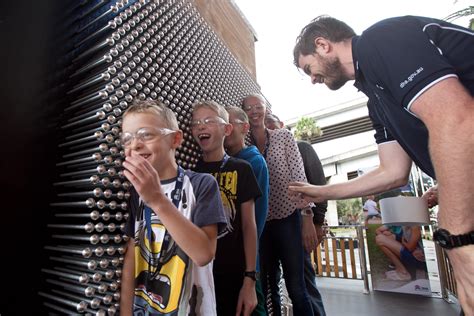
(418, 74)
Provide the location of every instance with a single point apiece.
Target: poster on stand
(396, 253)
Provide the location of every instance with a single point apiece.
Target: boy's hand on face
(143, 176)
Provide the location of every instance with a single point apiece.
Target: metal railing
(336, 257)
(446, 275)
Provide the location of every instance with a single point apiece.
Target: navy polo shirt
(395, 61)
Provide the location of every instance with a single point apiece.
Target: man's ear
(228, 129)
(281, 124)
(177, 139)
(322, 45)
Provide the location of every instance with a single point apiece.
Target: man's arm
(447, 110)
(128, 280)
(392, 172)
(247, 296)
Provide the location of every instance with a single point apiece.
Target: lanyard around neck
(175, 199)
(147, 212)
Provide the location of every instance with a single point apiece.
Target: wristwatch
(254, 275)
(444, 238)
(307, 212)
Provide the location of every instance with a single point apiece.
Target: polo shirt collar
(358, 73)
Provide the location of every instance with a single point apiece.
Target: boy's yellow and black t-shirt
(237, 184)
(176, 286)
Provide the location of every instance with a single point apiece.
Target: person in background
(315, 175)
(281, 239)
(234, 267)
(370, 207)
(236, 147)
(406, 254)
(418, 75)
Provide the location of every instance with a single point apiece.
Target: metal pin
(105, 76)
(97, 137)
(121, 250)
(99, 227)
(107, 58)
(118, 273)
(90, 203)
(108, 274)
(115, 261)
(59, 309)
(111, 227)
(106, 299)
(90, 264)
(113, 285)
(94, 179)
(99, 115)
(99, 312)
(111, 25)
(93, 239)
(88, 291)
(97, 192)
(93, 302)
(101, 287)
(115, 295)
(79, 306)
(110, 119)
(110, 250)
(118, 239)
(100, 169)
(91, 97)
(95, 277)
(88, 227)
(119, 215)
(105, 127)
(107, 107)
(95, 157)
(84, 252)
(107, 42)
(94, 215)
(101, 148)
(122, 226)
(81, 278)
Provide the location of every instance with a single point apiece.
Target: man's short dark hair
(323, 26)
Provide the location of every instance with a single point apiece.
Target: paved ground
(346, 298)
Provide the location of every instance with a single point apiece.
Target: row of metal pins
(93, 239)
(174, 59)
(91, 148)
(90, 227)
(95, 215)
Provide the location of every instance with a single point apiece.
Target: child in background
(235, 146)
(235, 263)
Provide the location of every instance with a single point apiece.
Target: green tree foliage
(349, 211)
(307, 128)
(469, 11)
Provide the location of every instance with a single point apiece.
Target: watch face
(441, 236)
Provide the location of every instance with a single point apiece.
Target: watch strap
(448, 241)
(251, 274)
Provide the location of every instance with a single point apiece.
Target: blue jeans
(310, 281)
(281, 241)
